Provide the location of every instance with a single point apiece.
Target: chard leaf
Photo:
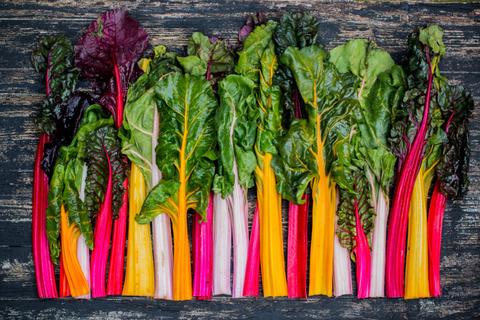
(252, 21)
(329, 100)
(236, 121)
(294, 30)
(207, 57)
(141, 113)
(53, 59)
(66, 180)
(102, 155)
(187, 105)
(454, 160)
(107, 54)
(55, 201)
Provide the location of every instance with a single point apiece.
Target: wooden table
(170, 23)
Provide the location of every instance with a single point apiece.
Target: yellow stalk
(271, 233)
(139, 277)
(73, 271)
(416, 273)
(182, 273)
(323, 223)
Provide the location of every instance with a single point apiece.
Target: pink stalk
(239, 217)
(202, 236)
(250, 289)
(297, 249)
(435, 221)
(101, 240)
(397, 228)
(363, 258)
(117, 255)
(44, 271)
(342, 269)
(222, 245)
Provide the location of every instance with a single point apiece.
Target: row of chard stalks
(345, 134)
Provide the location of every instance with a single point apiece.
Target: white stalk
(162, 234)
(239, 212)
(222, 245)
(342, 269)
(83, 252)
(377, 282)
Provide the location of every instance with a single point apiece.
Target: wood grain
(170, 23)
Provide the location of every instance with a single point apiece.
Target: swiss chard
(379, 89)
(306, 155)
(53, 58)
(416, 135)
(451, 173)
(107, 55)
(294, 30)
(139, 139)
(184, 156)
(258, 62)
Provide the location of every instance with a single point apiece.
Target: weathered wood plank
(170, 23)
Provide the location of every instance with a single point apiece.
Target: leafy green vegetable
(184, 152)
(236, 120)
(138, 125)
(102, 154)
(207, 57)
(66, 181)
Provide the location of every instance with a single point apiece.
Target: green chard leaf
(53, 58)
(139, 133)
(184, 152)
(294, 30)
(207, 57)
(329, 101)
(452, 169)
(67, 177)
(236, 121)
(102, 155)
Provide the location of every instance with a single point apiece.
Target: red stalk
(435, 222)
(436, 212)
(297, 249)
(202, 235)
(101, 240)
(397, 227)
(250, 289)
(44, 271)
(363, 257)
(117, 255)
(64, 288)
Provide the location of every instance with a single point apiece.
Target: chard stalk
(362, 255)
(162, 232)
(342, 270)
(222, 245)
(250, 288)
(83, 252)
(202, 247)
(44, 271)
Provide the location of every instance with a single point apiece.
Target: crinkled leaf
(452, 169)
(236, 121)
(138, 125)
(294, 30)
(114, 41)
(55, 201)
(53, 59)
(67, 117)
(103, 154)
(187, 105)
(209, 57)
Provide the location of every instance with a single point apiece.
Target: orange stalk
(69, 234)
